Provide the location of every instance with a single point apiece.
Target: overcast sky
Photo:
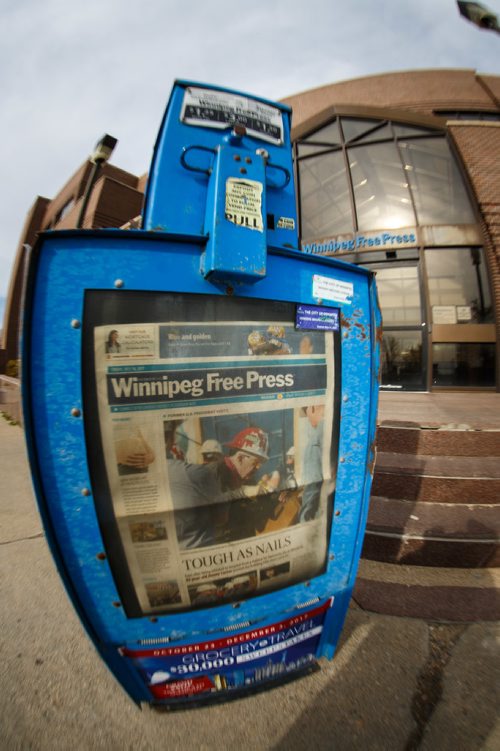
(72, 71)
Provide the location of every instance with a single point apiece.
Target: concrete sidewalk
(394, 683)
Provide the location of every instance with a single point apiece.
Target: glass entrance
(461, 310)
(453, 345)
(404, 344)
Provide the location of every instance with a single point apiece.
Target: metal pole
(88, 192)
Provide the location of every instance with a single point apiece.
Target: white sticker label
(464, 313)
(286, 222)
(244, 203)
(325, 288)
(444, 314)
(208, 108)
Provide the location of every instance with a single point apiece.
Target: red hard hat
(253, 441)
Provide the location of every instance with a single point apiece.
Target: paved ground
(395, 683)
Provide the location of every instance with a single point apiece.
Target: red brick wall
(115, 199)
(11, 323)
(112, 204)
(479, 146)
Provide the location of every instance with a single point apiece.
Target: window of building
(468, 115)
(325, 195)
(380, 187)
(355, 129)
(370, 178)
(458, 285)
(402, 360)
(64, 211)
(359, 174)
(329, 134)
(463, 364)
(399, 295)
(437, 188)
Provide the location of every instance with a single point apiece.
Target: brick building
(116, 198)
(401, 173)
(398, 172)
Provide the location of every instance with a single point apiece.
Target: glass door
(404, 345)
(461, 310)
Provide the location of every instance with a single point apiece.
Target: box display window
(213, 457)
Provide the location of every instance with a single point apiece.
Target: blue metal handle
(190, 167)
(281, 169)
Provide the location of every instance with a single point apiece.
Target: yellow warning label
(244, 203)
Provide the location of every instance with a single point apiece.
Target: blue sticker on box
(317, 318)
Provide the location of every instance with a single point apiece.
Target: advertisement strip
(217, 443)
(237, 661)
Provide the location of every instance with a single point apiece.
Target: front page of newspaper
(217, 443)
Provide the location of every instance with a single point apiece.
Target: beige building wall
(429, 97)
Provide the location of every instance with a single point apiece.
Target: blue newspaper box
(200, 400)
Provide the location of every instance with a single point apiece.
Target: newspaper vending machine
(200, 400)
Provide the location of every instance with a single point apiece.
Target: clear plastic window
(213, 456)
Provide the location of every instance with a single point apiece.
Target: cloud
(72, 71)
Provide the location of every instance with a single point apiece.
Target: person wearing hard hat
(227, 590)
(241, 585)
(199, 490)
(291, 481)
(211, 451)
(312, 460)
(205, 594)
(249, 450)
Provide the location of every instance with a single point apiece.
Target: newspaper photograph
(218, 451)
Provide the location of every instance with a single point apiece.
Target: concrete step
(435, 497)
(442, 479)
(431, 545)
(437, 489)
(447, 440)
(8, 396)
(442, 594)
(432, 534)
(434, 519)
(439, 466)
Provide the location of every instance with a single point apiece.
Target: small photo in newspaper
(150, 531)
(162, 594)
(224, 590)
(245, 474)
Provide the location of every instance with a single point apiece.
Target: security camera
(479, 15)
(103, 149)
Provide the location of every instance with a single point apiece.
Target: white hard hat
(241, 580)
(205, 588)
(211, 446)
